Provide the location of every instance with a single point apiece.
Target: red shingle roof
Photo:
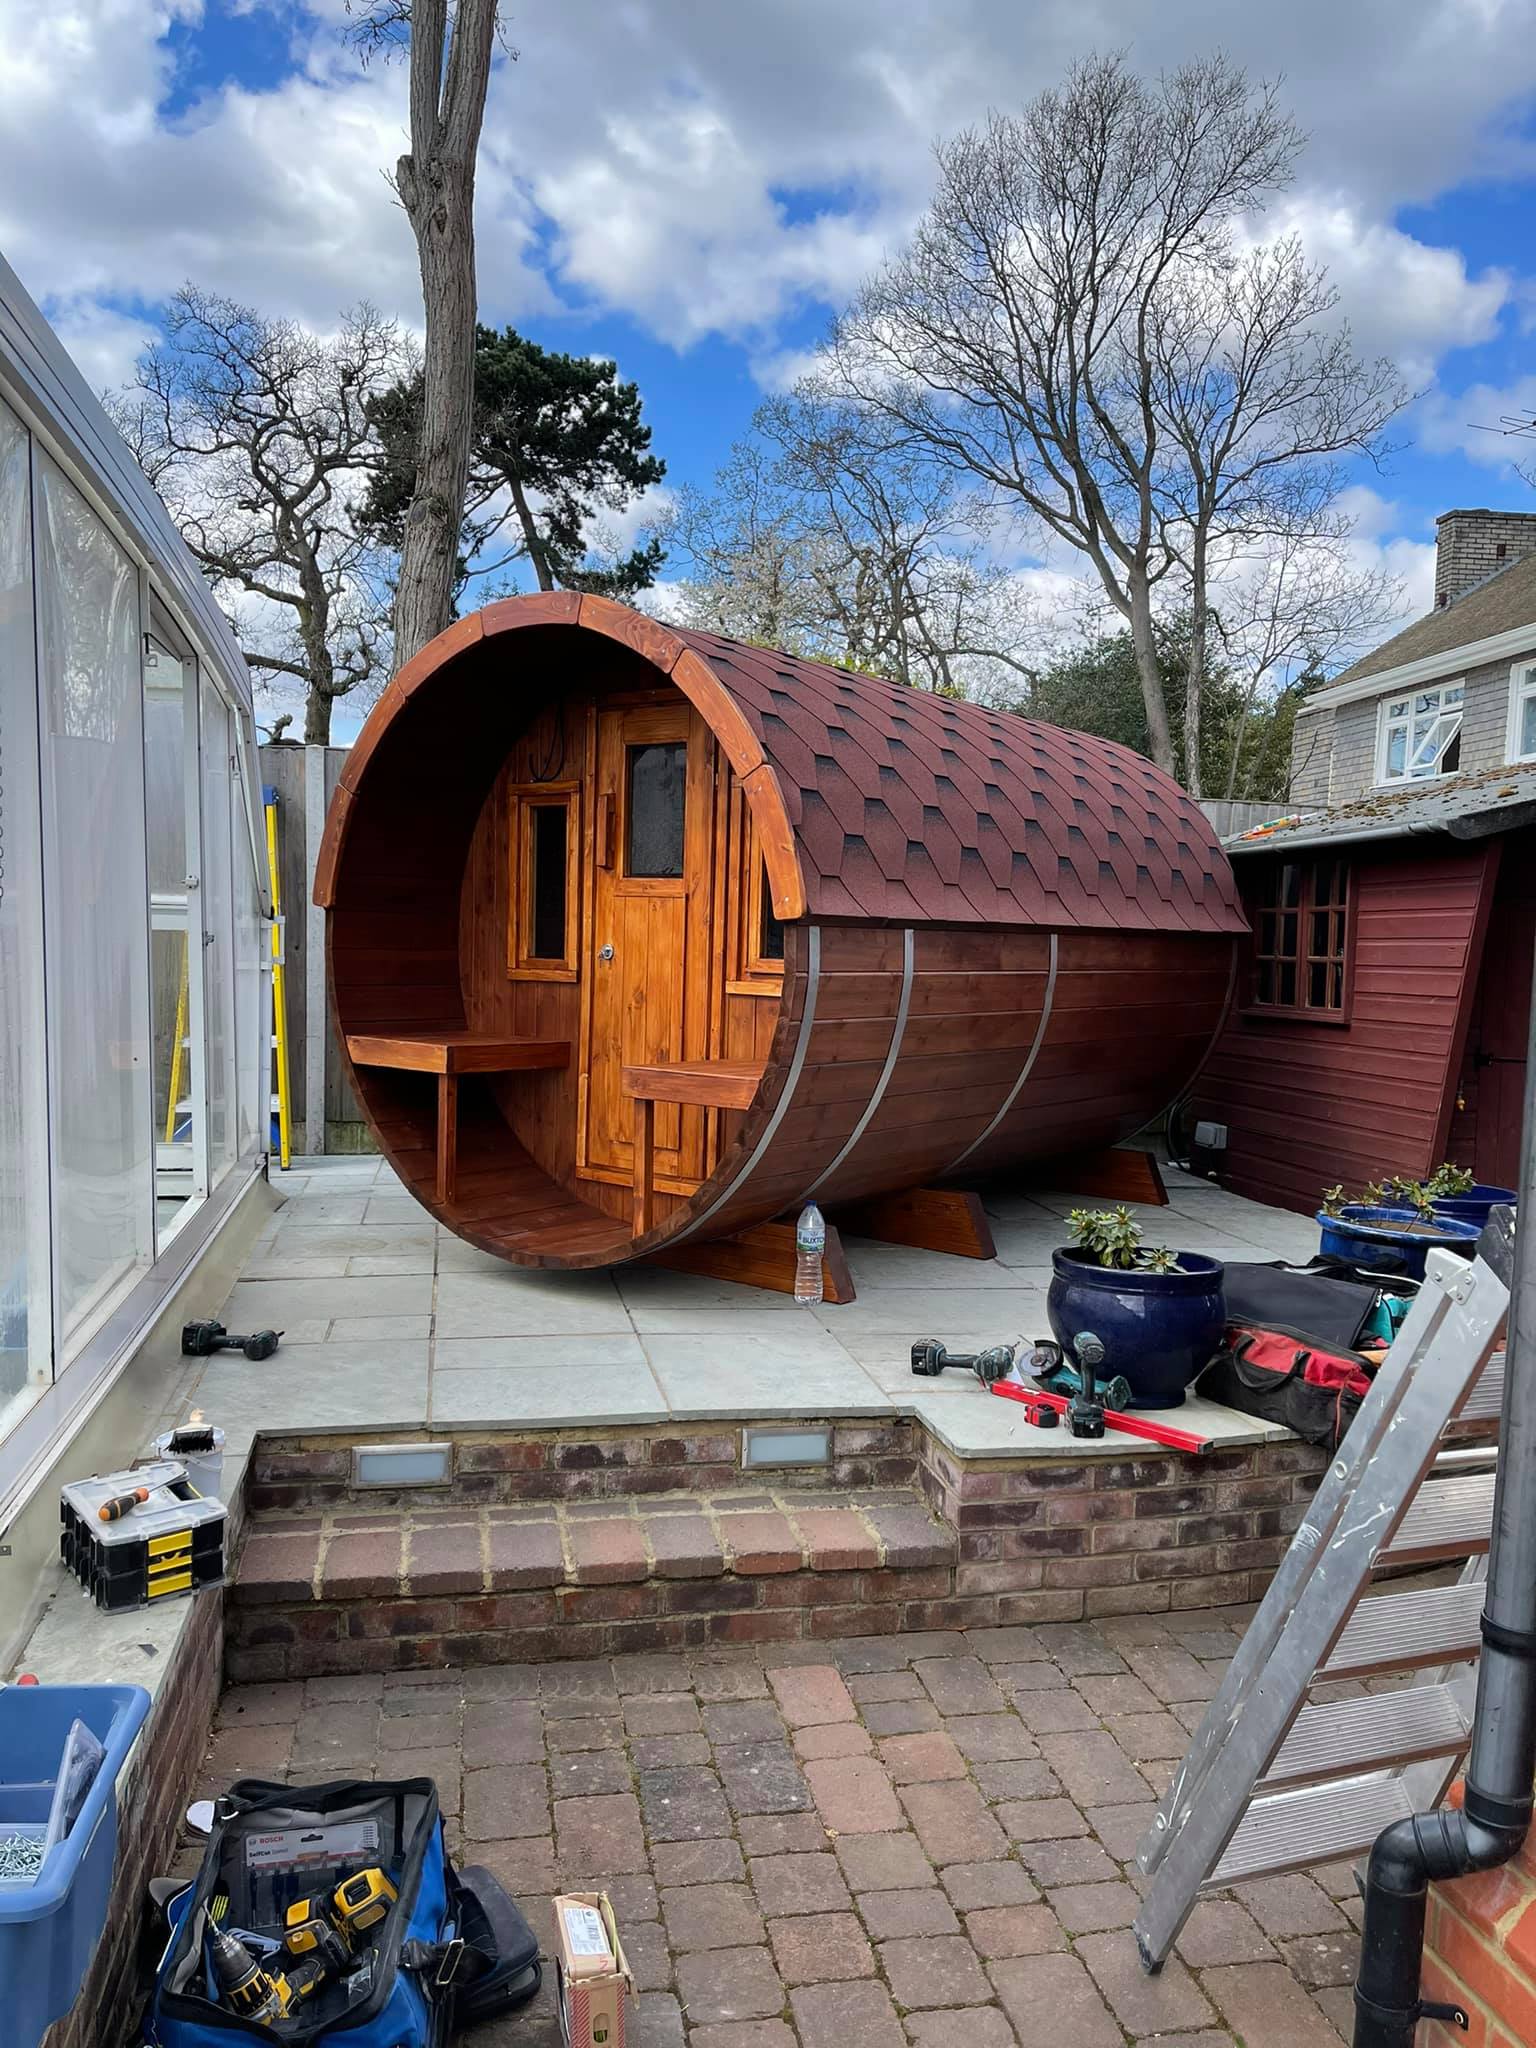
(906, 806)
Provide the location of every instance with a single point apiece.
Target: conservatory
(133, 947)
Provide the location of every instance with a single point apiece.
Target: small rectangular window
(1522, 713)
(1300, 914)
(770, 933)
(655, 808)
(543, 896)
(1420, 735)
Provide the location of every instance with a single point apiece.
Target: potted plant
(1390, 1226)
(1456, 1194)
(1158, 1313)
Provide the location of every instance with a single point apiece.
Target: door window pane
(654, 809)
(167, 742)
(25, 1349)
(97, 951)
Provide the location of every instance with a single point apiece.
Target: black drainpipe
(1496, 1810)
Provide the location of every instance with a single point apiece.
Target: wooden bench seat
(704, 1084)
(448, 1054)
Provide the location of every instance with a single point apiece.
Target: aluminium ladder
(1271, 1781)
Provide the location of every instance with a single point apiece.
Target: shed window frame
(752, 971)
(526, 800)
(1522, 712)
(1299, 951)
(1430, 730)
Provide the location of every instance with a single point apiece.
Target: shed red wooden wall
(1310, 1103)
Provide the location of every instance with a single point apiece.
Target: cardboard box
(592, 1976)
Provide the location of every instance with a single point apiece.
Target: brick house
(1382, 1006)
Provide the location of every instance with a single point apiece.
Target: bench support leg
(645, 1162)
(447, 1136)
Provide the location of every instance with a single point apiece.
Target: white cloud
(1403, 298)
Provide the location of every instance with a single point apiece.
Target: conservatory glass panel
(170, 740)
(253, 1015)
(218, 914)
(25, 1278)
(97, 941)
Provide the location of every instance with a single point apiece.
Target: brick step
(347, 1591)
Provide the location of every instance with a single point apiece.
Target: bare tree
(1074, 327)
(1297, 611)
(257, 435)
(826, 537)
(450, 45)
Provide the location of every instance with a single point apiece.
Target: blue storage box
(49, 1928)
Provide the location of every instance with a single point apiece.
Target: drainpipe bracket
(1514, 1642)
(1399, 2022)
(1436, 2009)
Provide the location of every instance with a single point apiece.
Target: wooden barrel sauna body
(638, 936)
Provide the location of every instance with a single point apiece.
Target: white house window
(1522, 713)
(1420, 735)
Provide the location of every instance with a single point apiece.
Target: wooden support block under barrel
(1113, 1175)
(932, 1219)
(763, 1256)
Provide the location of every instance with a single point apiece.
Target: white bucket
(205, 1469)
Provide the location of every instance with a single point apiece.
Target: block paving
(920, 1840)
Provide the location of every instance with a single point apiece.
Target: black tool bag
(1281, 1376)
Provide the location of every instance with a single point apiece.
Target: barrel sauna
(638, 937)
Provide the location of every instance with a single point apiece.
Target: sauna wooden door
(648, 995)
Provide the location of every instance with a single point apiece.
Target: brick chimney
(1470, 546)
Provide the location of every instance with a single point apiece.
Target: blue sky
(692, 186)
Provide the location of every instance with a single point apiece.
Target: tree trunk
(533, 540)
(437, 188)
(1194, 680)
(317, 717)
(1144, 643)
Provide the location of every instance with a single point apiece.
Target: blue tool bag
(330, 1915)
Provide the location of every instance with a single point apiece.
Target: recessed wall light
(785, 1447)
(401, 1464)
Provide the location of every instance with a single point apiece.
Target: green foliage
(558, 441)
(1113, 1237)
(1097, 690)
(1398, 1191)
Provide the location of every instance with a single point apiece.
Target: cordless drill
(245, 1984)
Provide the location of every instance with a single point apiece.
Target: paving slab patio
(390, 1320)
(968, 1886)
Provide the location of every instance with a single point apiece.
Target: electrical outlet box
(1211, 1137)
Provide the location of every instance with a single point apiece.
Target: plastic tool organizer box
(171, 1543)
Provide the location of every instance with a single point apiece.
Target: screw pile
(21, 1857)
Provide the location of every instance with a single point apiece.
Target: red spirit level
(1035, 1398)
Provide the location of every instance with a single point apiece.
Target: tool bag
(453, 1947)
(1281, 1376)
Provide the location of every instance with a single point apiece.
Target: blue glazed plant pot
(1391, 1240)
(1159, 1329)
(1474, 1205)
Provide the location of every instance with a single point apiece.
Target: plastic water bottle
(810, 1243)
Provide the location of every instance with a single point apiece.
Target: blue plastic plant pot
(1159, 1329)
(1475, 1204)
(49, 1928)
(1376, 1237)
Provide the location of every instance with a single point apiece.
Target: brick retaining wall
(1480, 1951)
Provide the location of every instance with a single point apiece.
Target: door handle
(605, 952)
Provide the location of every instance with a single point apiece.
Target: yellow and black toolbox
(171, 1540)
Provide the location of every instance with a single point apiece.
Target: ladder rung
(1408, 1632)
(1447, 1518)
(1486, 1398)
(1288, 1830)
(1343, 1738)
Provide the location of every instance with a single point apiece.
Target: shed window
(770, 932)
(544, 890)
(1301, 917)
(1420, 735)
(1522, 713)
